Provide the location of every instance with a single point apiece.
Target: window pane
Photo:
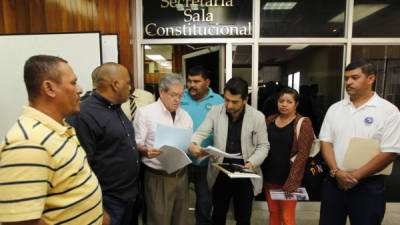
(376, 18)
(157, 63)
(241, 64)
(302, 18)
(316, 69)
(387, 60)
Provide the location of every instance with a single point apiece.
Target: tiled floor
(307, 213)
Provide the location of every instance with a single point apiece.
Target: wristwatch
(333, 172)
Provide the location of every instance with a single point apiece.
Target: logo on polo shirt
(368, 120)
(208, 106)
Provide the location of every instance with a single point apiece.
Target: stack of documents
(236, 170)
(174, 143)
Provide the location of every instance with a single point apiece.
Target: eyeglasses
(175, 96)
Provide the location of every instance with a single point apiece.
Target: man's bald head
(113, 82)
(106, 73)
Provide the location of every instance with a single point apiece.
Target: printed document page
(174, 142)
(173, 159)
(298, 194)
(172, 136)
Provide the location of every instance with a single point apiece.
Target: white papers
(172, 136)
(173, 159)
(215, 151)
(298, 194)
(174, 142)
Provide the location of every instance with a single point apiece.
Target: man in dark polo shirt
(109, 140)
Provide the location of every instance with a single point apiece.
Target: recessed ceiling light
(297, 47)
(360, 12)
(194, 6)
(279, 5)
(180, 7)
(156, 57)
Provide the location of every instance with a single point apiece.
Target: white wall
(81, 50)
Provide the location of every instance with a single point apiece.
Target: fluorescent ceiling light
(180, 7)
(360, 12)
(297, 47)
(156, 57)
(194, 6)
(167, 64)
(279, 5)
(147, 47)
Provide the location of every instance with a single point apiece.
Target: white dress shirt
(142, 98)
(145, 124)
(376, 119)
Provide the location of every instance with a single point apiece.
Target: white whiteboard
(81, 50)
(110, 48)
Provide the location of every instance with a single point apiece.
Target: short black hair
(237, 86)
(199, 70)
(39, 68)
(367, 67)
(291, 91)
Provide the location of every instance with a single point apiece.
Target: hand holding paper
(173, 142)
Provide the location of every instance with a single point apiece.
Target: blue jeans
(198, 175)
(364, 204)
(120, 212)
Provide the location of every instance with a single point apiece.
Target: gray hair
(171, 79)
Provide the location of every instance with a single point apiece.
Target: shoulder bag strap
(298, 127)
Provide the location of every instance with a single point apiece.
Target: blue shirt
(198, 111)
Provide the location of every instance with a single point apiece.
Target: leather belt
(177, 173)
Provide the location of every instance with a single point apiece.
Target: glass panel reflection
(387, 60)
(376, 18)
(316, 71)
(302, 18)
(241, 64)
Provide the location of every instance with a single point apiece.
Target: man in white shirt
(138, 98)
(166, 195)
(359, 193)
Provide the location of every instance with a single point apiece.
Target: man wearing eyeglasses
(166, 195)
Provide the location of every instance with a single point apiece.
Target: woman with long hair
(279, 172)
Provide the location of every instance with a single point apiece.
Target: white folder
(362, 150)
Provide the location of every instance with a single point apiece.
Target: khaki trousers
(166, 198)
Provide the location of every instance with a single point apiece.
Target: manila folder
(362, 150)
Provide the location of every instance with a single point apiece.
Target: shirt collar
(105, 101)
(241, 116)
(209, 95)
(46, 120)
(165, 109)
(373, 101)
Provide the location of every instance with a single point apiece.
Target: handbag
(314, 171)
(315, 147)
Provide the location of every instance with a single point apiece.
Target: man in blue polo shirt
(197, 100)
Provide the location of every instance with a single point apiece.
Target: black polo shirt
(233, 142)
(108, 138)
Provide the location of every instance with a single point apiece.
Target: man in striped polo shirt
(44, 174)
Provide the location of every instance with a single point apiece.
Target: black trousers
(241, 190)
(364, 204)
